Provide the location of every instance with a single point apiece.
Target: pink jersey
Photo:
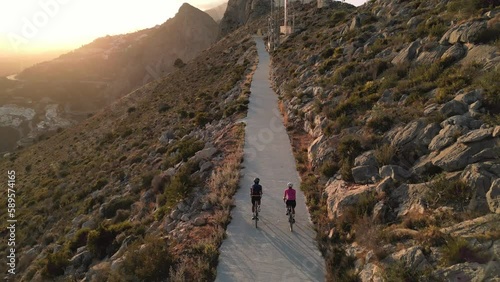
(290, 194)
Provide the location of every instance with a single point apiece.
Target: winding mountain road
(270, 252)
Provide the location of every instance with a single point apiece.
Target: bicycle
(257, 210)
(291, 218)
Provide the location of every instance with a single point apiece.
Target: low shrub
(458, 250)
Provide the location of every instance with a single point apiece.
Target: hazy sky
(39, 25)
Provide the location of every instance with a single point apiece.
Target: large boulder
(459, 155)
(480, 177)
(493, 196)
(409, 198)
(319, 149)
(342, 195)
(469, 32)
(470, 271)
(365, 174)
(407, 54)
(395, 172)
(454, 53)
(413, 258)
(474, 227)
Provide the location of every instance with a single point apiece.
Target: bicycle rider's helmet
(256, 180)
(290, 184)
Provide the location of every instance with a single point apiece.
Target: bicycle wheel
(290, 220)
(256, 217)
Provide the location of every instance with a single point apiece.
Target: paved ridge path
(271, 252)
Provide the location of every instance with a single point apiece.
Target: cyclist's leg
(294, 204)
(253, 204)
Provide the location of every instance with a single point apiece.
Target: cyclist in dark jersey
(289, 198)
(255, 194)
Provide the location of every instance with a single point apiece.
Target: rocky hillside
(64, 91)
(241, 12)
(394, 112)
(131, 193)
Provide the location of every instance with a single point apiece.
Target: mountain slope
(64, 91)
(394, 112)
(156, 168)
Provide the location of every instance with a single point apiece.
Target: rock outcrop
(239, 12)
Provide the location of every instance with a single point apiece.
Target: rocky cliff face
(239, 12)
(400, 102)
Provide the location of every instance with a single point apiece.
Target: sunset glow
(34, 26)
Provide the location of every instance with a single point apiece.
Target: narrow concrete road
(271, 252)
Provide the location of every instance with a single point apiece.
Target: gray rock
(81, 259)
(413, 22)
(413, 258)
(493, 196)
(170, 227)
(496, 131)
(454, 53)
(409, 198)
(182, 207)
(453, 108)
(200, 221)
(469, 97)
(463, 121)
(469, 271)
(476, 135)
(185, 217)
(459, 155)
(474, 227)
(446, 137)
(365, 174)
(479, 177)
(366, 159)
(379, 212)
(371, 272)
(385, 186)
(355, 23)
(166, 137)
(342, 195)
(206, 206)
(206, 166)
(475, 106)
(465, 33)
(430, 109)
(407, 54)
(206, 154)
(396, 172)
(90, 224)
(175, 214)
(407, 134)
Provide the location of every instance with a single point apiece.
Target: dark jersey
(256, 189)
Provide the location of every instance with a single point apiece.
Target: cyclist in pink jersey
(289, 198)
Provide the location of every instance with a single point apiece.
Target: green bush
(99, 241)
(458, 250)
(79, 239)
(56, 264)
(341, 266)
(150, 260)
(115, 204)
(385, 154)
(400, 272)
(445, 192)
(329, 168)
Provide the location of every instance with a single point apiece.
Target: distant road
(13, 77)
(271, 252)
(96, 82)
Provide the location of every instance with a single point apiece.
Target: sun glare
(31, 26)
